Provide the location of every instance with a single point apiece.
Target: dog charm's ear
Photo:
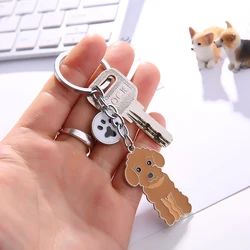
(158, 158)
(131, 176)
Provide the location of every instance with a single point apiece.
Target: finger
(83, 112)
(146, 78)
(53, 104)
(132, 194)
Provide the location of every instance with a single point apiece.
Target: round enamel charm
(103, 130)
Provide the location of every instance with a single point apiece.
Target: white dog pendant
(143, 167)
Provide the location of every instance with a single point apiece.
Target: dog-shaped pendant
(143, 167)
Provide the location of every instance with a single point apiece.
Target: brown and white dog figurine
(237, 49)
(207, 54)
(143, 167)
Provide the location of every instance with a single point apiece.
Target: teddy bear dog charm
(143, 167)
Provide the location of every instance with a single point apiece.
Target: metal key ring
(72, 86)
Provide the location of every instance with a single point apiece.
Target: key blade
(149, 131)
(136, 119)
(155, 131)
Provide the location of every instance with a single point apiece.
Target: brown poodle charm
(143, 167)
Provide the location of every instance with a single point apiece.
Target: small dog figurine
(143, 167)
(237, 49)
(206, 51)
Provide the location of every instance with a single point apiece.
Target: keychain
(143, 166)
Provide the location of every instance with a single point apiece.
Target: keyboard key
(105, 34)
(103, 29)
(77, 29)
(53, 19)
(69, 4)
(27, 40)
(98, 27)
(9, 24)
(30, 22)
(6, 8)
(73, 39)
(7, 41)
(47, 5)
(92, 15)
(91, 3)
(49, 39)
(25, 7)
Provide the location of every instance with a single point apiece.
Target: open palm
(52, 195)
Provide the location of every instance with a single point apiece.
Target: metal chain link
(111, 111)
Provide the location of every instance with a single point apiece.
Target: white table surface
(215, 102)
(224, 226)
(207, 112)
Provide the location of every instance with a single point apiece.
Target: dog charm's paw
(143, 167)
(103, 130)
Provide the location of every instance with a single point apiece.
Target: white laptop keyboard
(39, 28)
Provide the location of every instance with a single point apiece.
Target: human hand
(52, 195)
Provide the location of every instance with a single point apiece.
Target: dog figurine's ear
(192, 32)
(131, 177)
(229, 25)
(209, 37)
(231, 37)
(158, 158)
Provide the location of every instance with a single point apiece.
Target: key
(9, 24)
(47, 5)
(6, 8)
(7, 41)
(26, 40)
(30, 21)
(77, 29)
(123, 95)
(69, 4)
(91, 3)
(92, 15)
(72, 39)
(25, 7)
(53, 19)
(49, 38)
(103, 29)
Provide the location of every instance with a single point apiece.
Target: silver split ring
(85, 138)
(72, 86)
